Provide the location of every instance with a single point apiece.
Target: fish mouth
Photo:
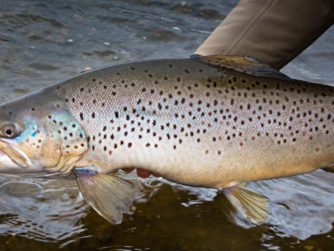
(10, 154)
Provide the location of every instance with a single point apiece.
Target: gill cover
(73, 142)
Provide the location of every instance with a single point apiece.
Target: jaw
(15, 161)
(8, 166)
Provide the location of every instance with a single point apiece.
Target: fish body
(214, 121)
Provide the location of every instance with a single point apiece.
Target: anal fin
(250, 204)
(110, 196)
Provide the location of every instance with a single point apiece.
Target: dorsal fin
(244, 64)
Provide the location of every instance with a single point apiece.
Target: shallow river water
(44, 41)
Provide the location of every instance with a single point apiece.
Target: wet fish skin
(201, 125)
(134, 107)
(210, 121)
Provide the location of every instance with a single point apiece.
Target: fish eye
(9, 130)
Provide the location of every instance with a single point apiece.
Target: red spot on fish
(128, 170)
(140, 172)
(143, 173)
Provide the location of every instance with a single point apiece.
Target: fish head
(37, 135)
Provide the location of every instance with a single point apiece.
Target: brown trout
(215, 121)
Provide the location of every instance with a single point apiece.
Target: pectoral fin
(109, 195)
(250, 204)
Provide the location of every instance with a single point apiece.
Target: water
(45, 41)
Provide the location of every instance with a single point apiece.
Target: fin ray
(243, 64)
(110, 196)
(252, 205)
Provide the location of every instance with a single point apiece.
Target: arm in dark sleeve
(274, 31)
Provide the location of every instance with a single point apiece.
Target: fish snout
(10, 164)
(15, 161)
